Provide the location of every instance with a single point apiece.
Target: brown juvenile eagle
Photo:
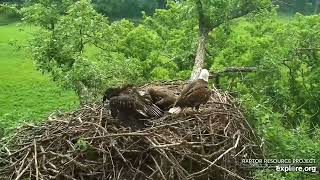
(116, 91)
(129, 106)
(162, 97)
(193, 94)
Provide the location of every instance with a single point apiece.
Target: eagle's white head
(204, 74)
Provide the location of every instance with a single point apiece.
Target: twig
(36, 159)
(70, 159)
(213, 162)
(224, 169)
(159, 169)
(22, 163)
(116, 135)
(23, 171)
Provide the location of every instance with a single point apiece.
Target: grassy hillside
(25, 94)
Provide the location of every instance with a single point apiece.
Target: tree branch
(216, 76)
(237, 13)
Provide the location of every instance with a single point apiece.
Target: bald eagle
(129, 106)
(193, 94)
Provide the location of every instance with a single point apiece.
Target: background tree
(317, 6)
(281, 97)
(80, 49)
(12, 1)
(128, 8)
(210, 15)
(301, 6)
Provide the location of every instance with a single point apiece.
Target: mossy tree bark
(201, 51)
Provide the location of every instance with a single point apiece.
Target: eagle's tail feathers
(156, 110)
(142, 113)
(175, 110)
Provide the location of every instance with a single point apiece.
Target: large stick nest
(192, 145)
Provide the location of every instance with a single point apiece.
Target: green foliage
(12, 1)
(162, 68)
(217, 12)
(8, 14)
(140, 42)
(282, 97)
(45, 13)
(85, 149)
(286, 57)
(58, 50)
(85, 52)
(179, 42)
(82, 145)
(126, 8)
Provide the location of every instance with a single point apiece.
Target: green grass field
(25, 94)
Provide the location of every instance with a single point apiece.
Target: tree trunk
(200, 58)
(204, 29)
(300, 6)
(201, 51)
(82, 92)
(317, 6)
(162, 4)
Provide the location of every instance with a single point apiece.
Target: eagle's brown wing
(125, 108)
(134, 106)
(145, 106)
(116, 91)
(110, 92)
(166, 103)
(123, 103)
(163, 98)
(154, 94)
(194, 94)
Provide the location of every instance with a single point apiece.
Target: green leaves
(125, 8)
(280, 98)
(285, 55)
(217, 12)
(45, 13)
(140, 42)
(82, 145)
(81, 50)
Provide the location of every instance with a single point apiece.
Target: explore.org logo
(290, 168)
(282, 165)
